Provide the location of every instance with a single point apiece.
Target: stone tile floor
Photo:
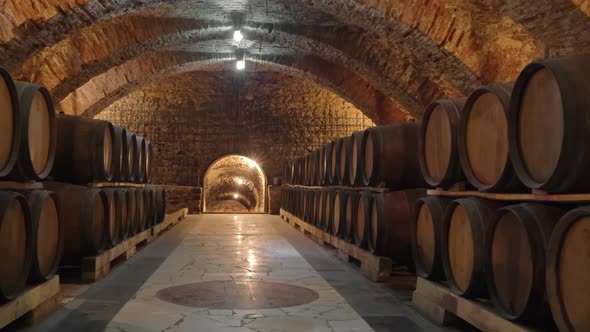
(235, 250)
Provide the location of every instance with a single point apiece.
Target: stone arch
(234, 177)
(103, 90)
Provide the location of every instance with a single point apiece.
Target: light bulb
(238, 36)
(240, 181)
(236, 196)
(241, 65)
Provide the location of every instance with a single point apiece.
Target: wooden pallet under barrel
(374, 268)
(35, 303)
(96, 267)
(441, 305)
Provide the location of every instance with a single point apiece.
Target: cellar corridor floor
(236, 273)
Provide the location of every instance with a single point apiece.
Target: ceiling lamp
(238, 36)
(240, 181)
(241, 64)
(236, 196)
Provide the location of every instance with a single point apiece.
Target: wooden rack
(374, 268)
(33, 304)
(373, 189)
(535, 196)
(441, 305)
(96, 267)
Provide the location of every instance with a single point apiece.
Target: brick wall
(195, 118)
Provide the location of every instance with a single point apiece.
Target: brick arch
(104, 89)
(26, 28)
(90, 52)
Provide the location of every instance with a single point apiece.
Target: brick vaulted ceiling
(388, 58)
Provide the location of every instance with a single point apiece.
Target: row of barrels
(36, 144)
(41, 229)
(510, 137)
(384, 156)
(378, 222)
(530, 259)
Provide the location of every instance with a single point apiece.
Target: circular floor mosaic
(238, 295)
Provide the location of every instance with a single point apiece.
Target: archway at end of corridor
(234, 184)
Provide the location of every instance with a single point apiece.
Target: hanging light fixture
(241, 64)
(238, 36)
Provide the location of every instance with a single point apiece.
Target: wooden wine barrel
(46, 234)
(148, 161)
(315, 166)
(132, 212)
(141, 148)
(335, 161)
(298, 171)
(86, 218)
(140, 213)
(326, 164)
(10, 119)
(115, 208)
(289, 172)
(463, 241)
(363, 219)
(427, 236)
(126, 219)
(15, 244)
(304, 204)
(352, 201)
(132, 157)
(345, 154)
(356, 163)
(515, 260)
(162, 205)
(320, 218)
(339, 214)
(153, 206)
(390, 224)
(390, 157)
(84, 150)
(568, 268)
(483, 140)
(327, 220)
(38, 133)
(438, 156)
(317, 196)
(150, 206)
(120, 155)
(547, 127)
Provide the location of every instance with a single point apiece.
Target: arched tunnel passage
(234, 183)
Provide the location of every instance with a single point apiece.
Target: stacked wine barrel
(46, 224)
(531, 259)
(361, 188)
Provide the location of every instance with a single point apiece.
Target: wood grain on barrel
(99, 218)
(541, 125)
(512, 263)
(108, 151)
(13, 244)
(425, 240)
(486, 139)
(39, 132)
(460, 248)
(360, 227)
(336, 215)
(369, 156)
(573, 271)
(48, 237)
(6, 124)
(437, 143)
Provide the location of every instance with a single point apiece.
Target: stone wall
(195, 118)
